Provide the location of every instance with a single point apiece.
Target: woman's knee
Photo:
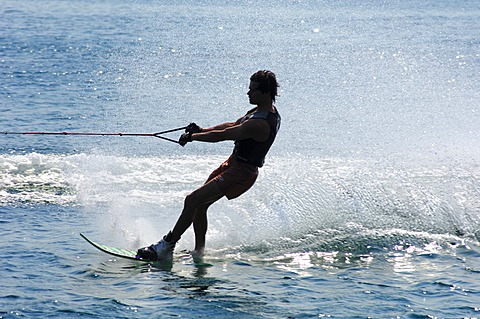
(193, 200)
(203, 197)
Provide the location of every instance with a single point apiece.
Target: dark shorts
(233, 177)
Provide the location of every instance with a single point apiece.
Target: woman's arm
(218, 127)
(256, 129)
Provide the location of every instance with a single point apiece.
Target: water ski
(118, 252)
(132, 254)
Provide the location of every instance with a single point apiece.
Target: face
(255, 95)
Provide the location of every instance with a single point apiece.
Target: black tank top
(253, 152)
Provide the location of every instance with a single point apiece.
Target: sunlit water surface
(368, 205)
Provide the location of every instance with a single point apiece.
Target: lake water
(368, 205)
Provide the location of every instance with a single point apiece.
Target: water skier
(253, 134)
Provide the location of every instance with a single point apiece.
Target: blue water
(368, 205)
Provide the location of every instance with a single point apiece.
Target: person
(253, 134)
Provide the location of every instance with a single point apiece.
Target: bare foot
(197, 255)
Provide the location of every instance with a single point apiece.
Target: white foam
(140, 198)
(34, 178)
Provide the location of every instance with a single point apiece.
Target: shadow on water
(149, 287)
